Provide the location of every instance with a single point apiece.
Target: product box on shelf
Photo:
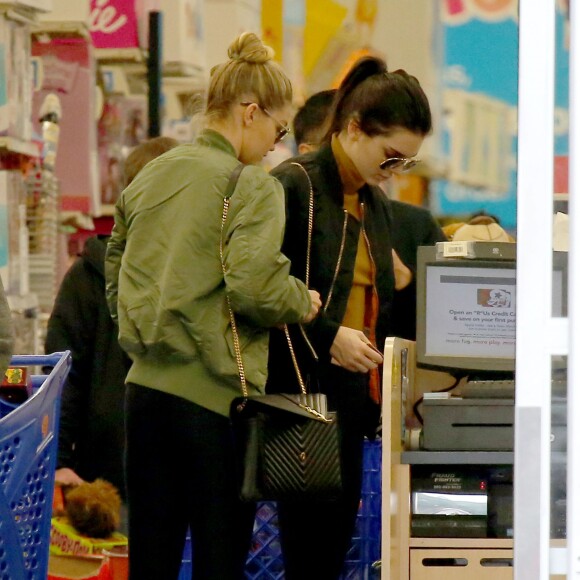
(64, 539)
(14, 233)
(15, 80)
(69, 72)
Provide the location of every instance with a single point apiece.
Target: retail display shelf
(13, 145)
(185, 70)
(457, 457)
(39, 5)
(62, 29)
(184, 82)
(119, 55)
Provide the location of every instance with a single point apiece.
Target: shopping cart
(28, 446)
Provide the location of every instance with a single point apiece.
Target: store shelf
(62, 29)
(457, 457)
(120, 55)
(13, 145)
(36, 5)
(190, 72)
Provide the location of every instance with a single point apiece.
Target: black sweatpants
(180, 473)
(316, 536)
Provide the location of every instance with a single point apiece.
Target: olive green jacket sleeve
(257, 276)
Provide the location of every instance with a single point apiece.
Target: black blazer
(91, 432)
(333, 254)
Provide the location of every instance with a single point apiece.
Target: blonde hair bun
(249, 48)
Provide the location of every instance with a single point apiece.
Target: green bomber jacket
(165, 284)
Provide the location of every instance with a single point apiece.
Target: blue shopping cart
(28, 447)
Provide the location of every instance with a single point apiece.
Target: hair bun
(249, 48)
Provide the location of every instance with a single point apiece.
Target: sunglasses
(282, 130)
(399, 164)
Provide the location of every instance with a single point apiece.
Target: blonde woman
(166, 286)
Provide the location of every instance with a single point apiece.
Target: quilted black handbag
(287, 444)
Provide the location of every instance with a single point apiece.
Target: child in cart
(91, 434)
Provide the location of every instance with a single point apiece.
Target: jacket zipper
(340, 252)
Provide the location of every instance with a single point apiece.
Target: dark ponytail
(380, 100)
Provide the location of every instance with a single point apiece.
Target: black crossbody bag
(287, 444)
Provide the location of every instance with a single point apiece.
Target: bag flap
(308, 406)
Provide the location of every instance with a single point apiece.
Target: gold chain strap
(310, 222)
(294, 361)
(308, 250)
(237, 349)
(236, 337)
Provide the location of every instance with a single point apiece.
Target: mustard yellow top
(362, 283)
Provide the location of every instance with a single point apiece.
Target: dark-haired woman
(379, 122)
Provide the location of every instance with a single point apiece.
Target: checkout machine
(466, 311)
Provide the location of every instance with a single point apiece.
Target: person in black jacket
(311, 121)
(91, 431)
(91, 434)
(413, 226)
(378, 125)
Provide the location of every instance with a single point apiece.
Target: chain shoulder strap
(236, 338)
(237, 350)
(310, 222)
(308, 252)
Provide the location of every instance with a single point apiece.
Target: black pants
(180, 473)
(315, 537)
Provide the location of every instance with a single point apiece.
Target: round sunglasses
(399, 164)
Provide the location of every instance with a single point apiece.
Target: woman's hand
(403, 275)
(315, 304)
(66, 476)
(352, 350)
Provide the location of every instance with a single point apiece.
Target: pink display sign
(114, 24)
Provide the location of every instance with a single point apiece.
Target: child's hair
(380, 101)
(311, 119)
(145, 152)
(93, 509)
(249, 72)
